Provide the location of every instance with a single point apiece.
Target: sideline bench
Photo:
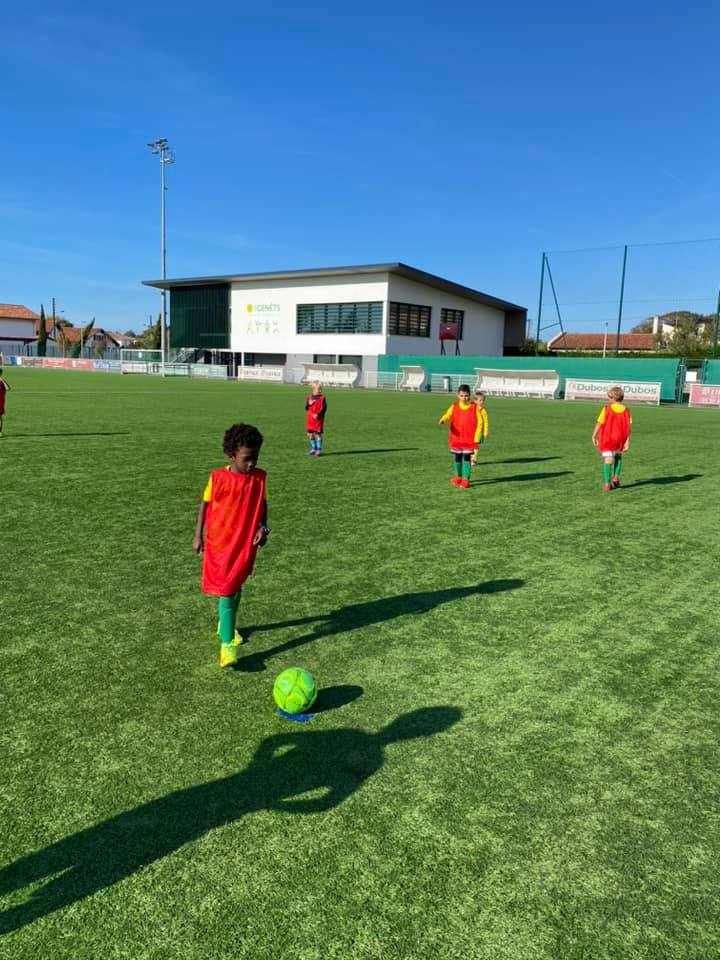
(518, 383)
(413, 378)
(331, 374)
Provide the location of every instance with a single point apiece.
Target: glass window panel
(409, 320)
(339, 317)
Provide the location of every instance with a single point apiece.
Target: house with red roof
(18, 324)
(98, 339)
(600, 342)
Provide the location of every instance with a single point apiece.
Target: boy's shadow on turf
(99, 433)
(352, 453)
(661, 481)
(491, 463)
(521, 478)
(294, 772)
(358, 615)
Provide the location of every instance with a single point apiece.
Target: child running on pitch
(231, 525)
(612, 436)
(316, 408)
(464, 418)
(483, 424)
(4, 388)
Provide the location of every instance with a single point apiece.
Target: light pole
(605, 340)
(160, 148)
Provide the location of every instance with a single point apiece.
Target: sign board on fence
(636, 391)
(275, 374)
(704, 395)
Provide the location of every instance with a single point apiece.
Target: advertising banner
(704, 395)
(111, 366)
(275, 374)
(65, 363)
(636, 391)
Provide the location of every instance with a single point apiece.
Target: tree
(151, 337)
(42, 334)
(645, 326)
(86, 331)
(131, 334)
(691, 334)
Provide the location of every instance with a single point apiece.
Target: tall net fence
(653, 288)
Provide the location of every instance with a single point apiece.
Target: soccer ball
(294, 690)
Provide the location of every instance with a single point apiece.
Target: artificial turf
(515, 753)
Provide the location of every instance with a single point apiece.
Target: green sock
(618, 464)
(227, 611)
(458, 467)
(607, 471)
(466, 469)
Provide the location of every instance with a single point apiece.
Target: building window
(324, 358)
(453, 316)
(409, 320)
(350, 358)
(265, 359)
(339, 317)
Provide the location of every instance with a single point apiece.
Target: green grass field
(516, 751)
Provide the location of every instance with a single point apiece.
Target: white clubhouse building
(337, 315)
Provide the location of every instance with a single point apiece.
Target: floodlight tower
(160, 148)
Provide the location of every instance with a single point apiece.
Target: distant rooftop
(400, 269)
(16, 311)
(596, 341)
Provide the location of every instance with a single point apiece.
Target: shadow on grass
(331, 698)
(80, 433)
(661, 481)
(358, 615)
(517, 460)
(285, 769)
(352, 453)
(522, 478)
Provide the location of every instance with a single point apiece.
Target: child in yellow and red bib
(465, 419)
(611, 436)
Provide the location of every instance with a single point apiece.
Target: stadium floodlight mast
(160, 148)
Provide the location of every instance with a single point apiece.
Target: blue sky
(463, 139)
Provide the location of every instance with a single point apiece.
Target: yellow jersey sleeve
(481, 430)
(484, 422)
(448, 413)
(601, 416)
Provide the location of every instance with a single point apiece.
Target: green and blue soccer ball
(294, 690)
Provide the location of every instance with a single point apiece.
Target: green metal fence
(670, 373)
(711, 371)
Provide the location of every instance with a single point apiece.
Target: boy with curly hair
(231, 525)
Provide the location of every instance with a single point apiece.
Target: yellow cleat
(229, 651)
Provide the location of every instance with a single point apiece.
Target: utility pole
(622, 297)
(160, 148)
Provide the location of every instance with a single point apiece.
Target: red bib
(615, 430)
(315, 417)
(234, 513)
(463, 425)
